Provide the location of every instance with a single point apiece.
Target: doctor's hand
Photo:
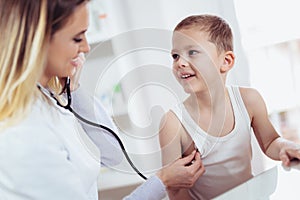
(183, 172)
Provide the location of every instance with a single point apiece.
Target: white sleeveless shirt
(227, 159)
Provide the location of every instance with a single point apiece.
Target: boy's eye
(192, 52)
(175, 56)
(77, 40)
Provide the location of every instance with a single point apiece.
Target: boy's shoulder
(170, 121)
(169, 116)
(249, 93)
(251, 97)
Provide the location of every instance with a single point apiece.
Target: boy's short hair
(217, 28)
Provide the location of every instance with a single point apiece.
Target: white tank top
(227, 159)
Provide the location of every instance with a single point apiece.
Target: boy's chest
(215, 123)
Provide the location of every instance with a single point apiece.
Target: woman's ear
(228, 61)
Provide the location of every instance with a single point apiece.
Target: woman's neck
(43, 81)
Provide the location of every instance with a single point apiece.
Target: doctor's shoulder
(26, 134)
(31, 156)
(33, 131)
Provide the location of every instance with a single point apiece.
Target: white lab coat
(49, 156)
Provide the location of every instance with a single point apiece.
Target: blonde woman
(42, 152)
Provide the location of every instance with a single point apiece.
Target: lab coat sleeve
(35, 165)
(152, 189)
(90, 108)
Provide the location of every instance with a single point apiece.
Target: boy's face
(196, 61)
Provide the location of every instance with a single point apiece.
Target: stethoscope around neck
(67, 106)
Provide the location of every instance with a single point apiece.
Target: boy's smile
(187, 76)
(194, 58)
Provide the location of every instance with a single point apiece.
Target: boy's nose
(182, 62)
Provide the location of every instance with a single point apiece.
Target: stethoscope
(68, 107)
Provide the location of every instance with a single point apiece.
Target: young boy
(215, 119)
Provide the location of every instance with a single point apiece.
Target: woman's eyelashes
(77, 40)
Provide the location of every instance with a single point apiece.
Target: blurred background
(129, 70)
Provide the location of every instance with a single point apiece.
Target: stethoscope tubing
(79, 117)
(114, 134)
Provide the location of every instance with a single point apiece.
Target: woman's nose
(85, 47)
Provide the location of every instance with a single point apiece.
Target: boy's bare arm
(169, 138)
(269, 140)
(262, 127)
(170, 142)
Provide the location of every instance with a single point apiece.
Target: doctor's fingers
(197, 168)
(192, 176)
(195, 163)
(188, 159)
(193, 171)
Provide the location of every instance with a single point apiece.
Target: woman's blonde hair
(26, 30)
(24, 40)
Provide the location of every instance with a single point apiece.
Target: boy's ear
(228, 61)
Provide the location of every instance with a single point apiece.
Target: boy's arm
(170, 141)
(169, 138)
(269, 140)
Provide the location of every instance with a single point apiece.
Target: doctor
(45, 153)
